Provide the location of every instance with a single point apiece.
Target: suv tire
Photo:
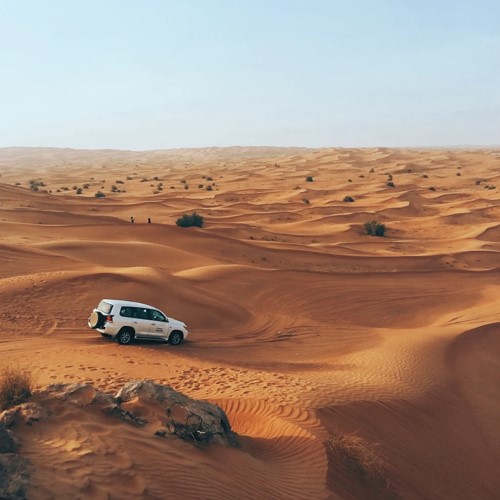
(125, 336)
(175, 338)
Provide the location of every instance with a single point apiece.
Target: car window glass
(105, 307)
(125, 312)
(142, 313)
(156, 315)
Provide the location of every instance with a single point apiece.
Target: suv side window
(156, 315)
(126, 312)
(141, 313)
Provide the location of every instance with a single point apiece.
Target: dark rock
(117, 412)
(26, 413)
(14, 474)
(197, 421)
(7, 442)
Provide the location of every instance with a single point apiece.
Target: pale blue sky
(151, 74)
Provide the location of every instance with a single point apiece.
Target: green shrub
(189, 220)
(16, 386)
(309, 178)
(374, 228)
(99, 194)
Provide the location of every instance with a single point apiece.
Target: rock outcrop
(192, 420)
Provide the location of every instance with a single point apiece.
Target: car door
(141, 321)
(159, 326)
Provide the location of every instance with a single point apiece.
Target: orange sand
(300, 324)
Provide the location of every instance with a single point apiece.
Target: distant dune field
(302, 327)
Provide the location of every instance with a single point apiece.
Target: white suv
(126, 321)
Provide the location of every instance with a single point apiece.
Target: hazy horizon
(168, 75)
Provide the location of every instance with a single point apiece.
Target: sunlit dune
(302, 326)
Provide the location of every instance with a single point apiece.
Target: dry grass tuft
(359, 454)
(16, 386)
(359, 459)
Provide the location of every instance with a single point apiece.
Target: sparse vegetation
(390, 184)
(356, 452)
(16, 386)
(209, 188)
(348, 199)
(79, 191)
(359, 457)
(120, 182)
(306, 201)
(374, 228)
(35, 185)
(99, 194)
(425, 176)
(309, 178)
(432, 188)
(189, 220)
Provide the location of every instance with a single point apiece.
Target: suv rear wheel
(125, 336)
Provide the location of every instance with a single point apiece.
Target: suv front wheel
(125, 336)
(175, 338)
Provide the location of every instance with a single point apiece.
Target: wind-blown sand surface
(301, 326)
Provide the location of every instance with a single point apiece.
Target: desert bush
(156, 178)
(209, 188)
(36, 185)
(359, 454)
(372, 170)
(189, 220)
(432, 188)
(99, 194)
(86, 186)
(120, 182)
(390, 184)
(309, 178)
(114, 189)
(183, 181)
(16, 386)
(306, 201)
(79, 191)
(425, 176)
(209, 178)
(200, 186)
(349, 180)
(359, 457)
(186, 186)
(348, 199)
(374, 228)
(458, 174)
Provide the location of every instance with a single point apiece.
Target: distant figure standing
(132, 220)
(149, 220)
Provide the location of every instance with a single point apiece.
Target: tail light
(109, 318)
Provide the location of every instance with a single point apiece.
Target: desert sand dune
(302, 327)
